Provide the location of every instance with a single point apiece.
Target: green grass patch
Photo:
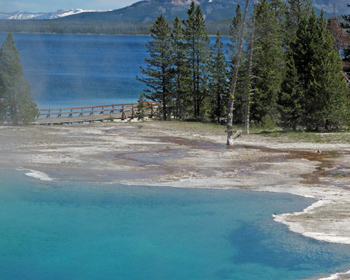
(312, 137)
(340, 175)
(276, 133)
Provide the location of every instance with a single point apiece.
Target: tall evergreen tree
(296, 10)
(268, 64)
(158, 71)
(280, 9)
(219, 80)
(180, 89)
(16, 103)
(291, 96)
(315, 96)
(197, 41)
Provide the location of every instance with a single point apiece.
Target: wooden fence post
(123, 113)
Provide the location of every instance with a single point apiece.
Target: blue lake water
(55, 230)
(82, 70)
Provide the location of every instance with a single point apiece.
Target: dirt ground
(193, 155)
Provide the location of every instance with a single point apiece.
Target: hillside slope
(213, 10)
(148, 11)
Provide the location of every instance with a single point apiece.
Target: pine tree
(291, 96)
(16, 103)
(180, 89)
(296, 10)
(334, 86)
(219, 81)
(316, 96)
(268, 64)
(281, 11)
(159, 80)
(141, 108)
(197, 41)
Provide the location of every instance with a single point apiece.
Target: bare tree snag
(247, 104)
(234, 80)
(232, 136)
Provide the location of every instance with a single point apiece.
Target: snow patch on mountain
(186, 2)
(50, 15)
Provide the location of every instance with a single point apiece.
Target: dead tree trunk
(234, 80)
(248, 93)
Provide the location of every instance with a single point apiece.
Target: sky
(35, 6)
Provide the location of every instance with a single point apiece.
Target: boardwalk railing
(93, 113)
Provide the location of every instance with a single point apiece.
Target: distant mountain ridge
(213, 10)
(149, 10)
(51, 15)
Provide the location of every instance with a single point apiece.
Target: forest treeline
(103, 28)
(291, 73)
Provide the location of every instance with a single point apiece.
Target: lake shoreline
(195, 156)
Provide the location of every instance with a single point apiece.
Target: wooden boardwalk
(93, 113)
